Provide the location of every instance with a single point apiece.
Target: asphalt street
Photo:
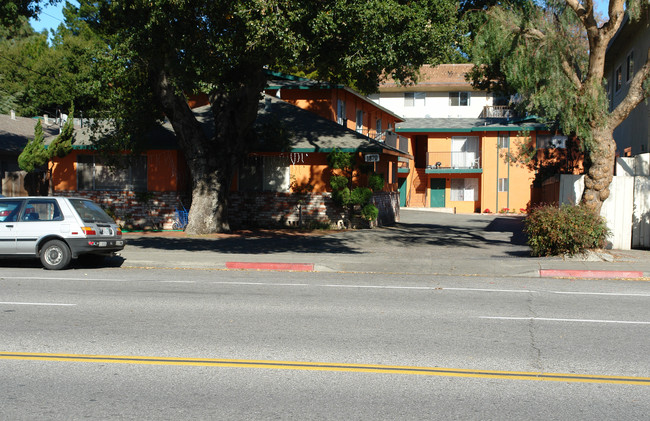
(129, 343)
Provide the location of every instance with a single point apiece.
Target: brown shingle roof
(442, 77)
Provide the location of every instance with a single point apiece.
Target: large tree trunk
(599, 169)
(212, 159)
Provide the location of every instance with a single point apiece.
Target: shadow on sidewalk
(247, 244)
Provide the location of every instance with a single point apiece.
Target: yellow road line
(317, 366)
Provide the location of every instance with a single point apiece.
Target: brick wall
(156, 210)
(265, 209)
(388, 205)
(152, 210)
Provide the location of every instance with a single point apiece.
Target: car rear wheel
(55, 255)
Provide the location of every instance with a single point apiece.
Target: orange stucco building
(462, 165)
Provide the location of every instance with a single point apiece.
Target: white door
(39, 216)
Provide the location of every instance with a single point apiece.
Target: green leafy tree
(12, 11)
(37, 77)
(36, 156)
(161, 50)
(553, 55)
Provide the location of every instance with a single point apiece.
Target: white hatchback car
(56, 229)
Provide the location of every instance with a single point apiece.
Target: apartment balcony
(453, 162)
(498, 111)
(403, 165)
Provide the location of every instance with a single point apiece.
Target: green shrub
(338, 182)
(360, 196)
(567, 229)
(376, 182)
(370, 212)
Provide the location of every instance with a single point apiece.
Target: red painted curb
(297, 267)
(590, 273)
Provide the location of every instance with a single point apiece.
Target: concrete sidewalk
(422, 243)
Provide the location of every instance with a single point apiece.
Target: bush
(565, 230)
(338, 182)
(370, 212)
(360, 196)
(376, 182)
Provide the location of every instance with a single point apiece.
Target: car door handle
(9, 226)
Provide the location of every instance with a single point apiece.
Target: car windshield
(90, 212)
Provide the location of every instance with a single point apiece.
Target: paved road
(253, 332)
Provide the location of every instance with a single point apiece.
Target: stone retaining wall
(156, 210)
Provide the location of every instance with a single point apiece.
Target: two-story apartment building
(626, 54)
(463, 164)
(461, 140)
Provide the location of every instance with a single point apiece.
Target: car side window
(9, 210)
(42, 210)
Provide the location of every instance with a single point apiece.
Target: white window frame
(415, 99)
(341, 117)
(359, 121)
(457, 96)
(503, 141)
(409, 99)
(503, 185)
(464, 151)
(463, 189)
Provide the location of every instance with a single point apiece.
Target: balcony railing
(497, 111)
(389, 138)
(453, 160)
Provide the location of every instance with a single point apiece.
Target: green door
(437, 192)
(402, 191)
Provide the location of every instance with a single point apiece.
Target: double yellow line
(316, 366)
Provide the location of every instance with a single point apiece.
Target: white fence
(627, 209)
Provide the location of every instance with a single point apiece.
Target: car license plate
(102, 244)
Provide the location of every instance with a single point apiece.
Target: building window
(503, 185)
(459, 99)
(378, 127)
(409, 99)
(504, 141)
(547, 141)
(123, 173)
(413, 99)
(629, 66)
(465, 152)
(359, 123)
(618, 79)
(464, 189)
(340, 112)
(265, 173)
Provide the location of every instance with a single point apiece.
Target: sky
(51, 16)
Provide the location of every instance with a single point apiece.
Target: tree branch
(635, 95)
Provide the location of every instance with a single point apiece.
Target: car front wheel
(55, 255)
